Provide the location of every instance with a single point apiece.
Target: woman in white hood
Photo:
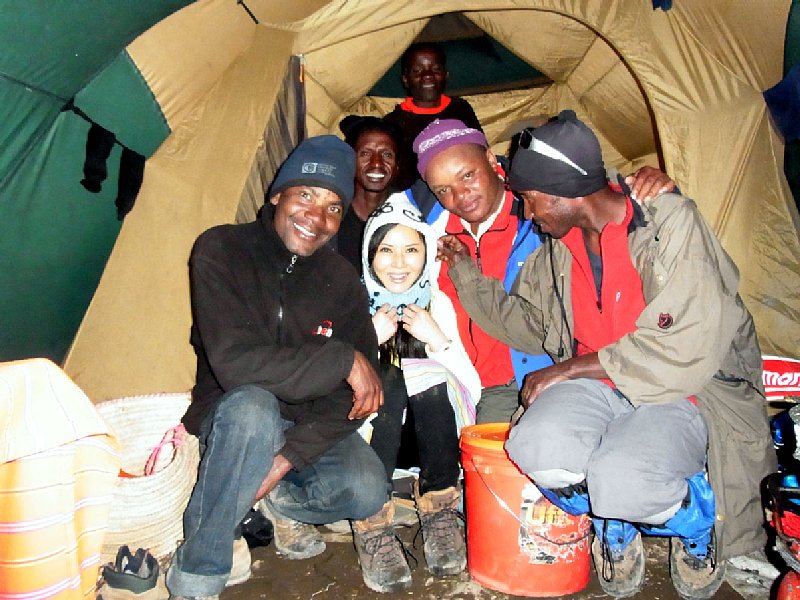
(417, 332)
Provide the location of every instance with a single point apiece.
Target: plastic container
(517, 541)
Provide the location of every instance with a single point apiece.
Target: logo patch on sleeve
(665, 320)
(325, 328)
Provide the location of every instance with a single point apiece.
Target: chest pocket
(651, 270)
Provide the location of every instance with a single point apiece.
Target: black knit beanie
(562, 158)
(323, 161)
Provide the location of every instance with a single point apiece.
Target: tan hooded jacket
(694, 337)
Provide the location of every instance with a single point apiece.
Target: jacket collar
(638, 219)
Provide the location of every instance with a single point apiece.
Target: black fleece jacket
(288, 323)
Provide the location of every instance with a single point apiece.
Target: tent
(208, 91)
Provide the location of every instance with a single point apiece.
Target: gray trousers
(634, 461)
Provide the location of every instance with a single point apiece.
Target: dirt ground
(336, 575)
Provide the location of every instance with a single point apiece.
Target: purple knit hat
(441, 135)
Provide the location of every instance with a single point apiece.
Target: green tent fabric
(55, 236)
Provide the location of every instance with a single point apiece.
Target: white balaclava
(398, 209)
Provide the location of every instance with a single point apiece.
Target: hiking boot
(755, 575)
(131, 576)
(442, 533)
(240, 570)
(694, 578)
(293, 539)
(380, 552)
(620, 572)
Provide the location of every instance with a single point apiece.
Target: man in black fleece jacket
(286, 356)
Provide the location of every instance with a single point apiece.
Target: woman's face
(399, 259)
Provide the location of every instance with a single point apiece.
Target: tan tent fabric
(135, 336)
(202, 40)
(279, 138)
(681, 88)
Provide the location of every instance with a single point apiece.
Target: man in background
(376, 144)
(424, 75)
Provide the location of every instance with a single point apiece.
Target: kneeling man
(652, 419)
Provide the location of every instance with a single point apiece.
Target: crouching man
(286, 356)
(653, 418)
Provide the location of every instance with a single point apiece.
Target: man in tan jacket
(652, 418)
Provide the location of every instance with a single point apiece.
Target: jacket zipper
(288, 271)
(480, 266)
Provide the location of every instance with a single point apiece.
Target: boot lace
(709, 560)
(440, 528)
(605, 553)
(292, 531)
(382, 545)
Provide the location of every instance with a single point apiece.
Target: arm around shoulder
(511, 318)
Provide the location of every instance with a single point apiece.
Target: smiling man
(424, 75)
(376, 145)
(286, 352)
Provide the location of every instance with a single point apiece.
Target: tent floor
(336, 575)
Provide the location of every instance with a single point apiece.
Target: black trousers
(434, 425)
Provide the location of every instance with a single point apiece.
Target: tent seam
(149, 91)
(690, 33)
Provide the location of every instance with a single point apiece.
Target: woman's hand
(385, 322)
(418, 322)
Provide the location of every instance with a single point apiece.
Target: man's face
(306, 217)
(464, 180)
(425, 78)
(553, 214)
(376, 161)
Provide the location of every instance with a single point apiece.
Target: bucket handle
(504, 505)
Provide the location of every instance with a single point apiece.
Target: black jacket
(288, 323)
(411, 125)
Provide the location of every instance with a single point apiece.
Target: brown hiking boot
(293, 539)
(442, 533)
(621, 574)
(383, 561)
(694, 578)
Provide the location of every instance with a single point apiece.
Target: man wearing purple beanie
(476, 206)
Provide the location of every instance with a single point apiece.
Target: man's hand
(586, 365)
(649, 182)
(280, 467)
(367, 388)
(450, 250)
(538, 381)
